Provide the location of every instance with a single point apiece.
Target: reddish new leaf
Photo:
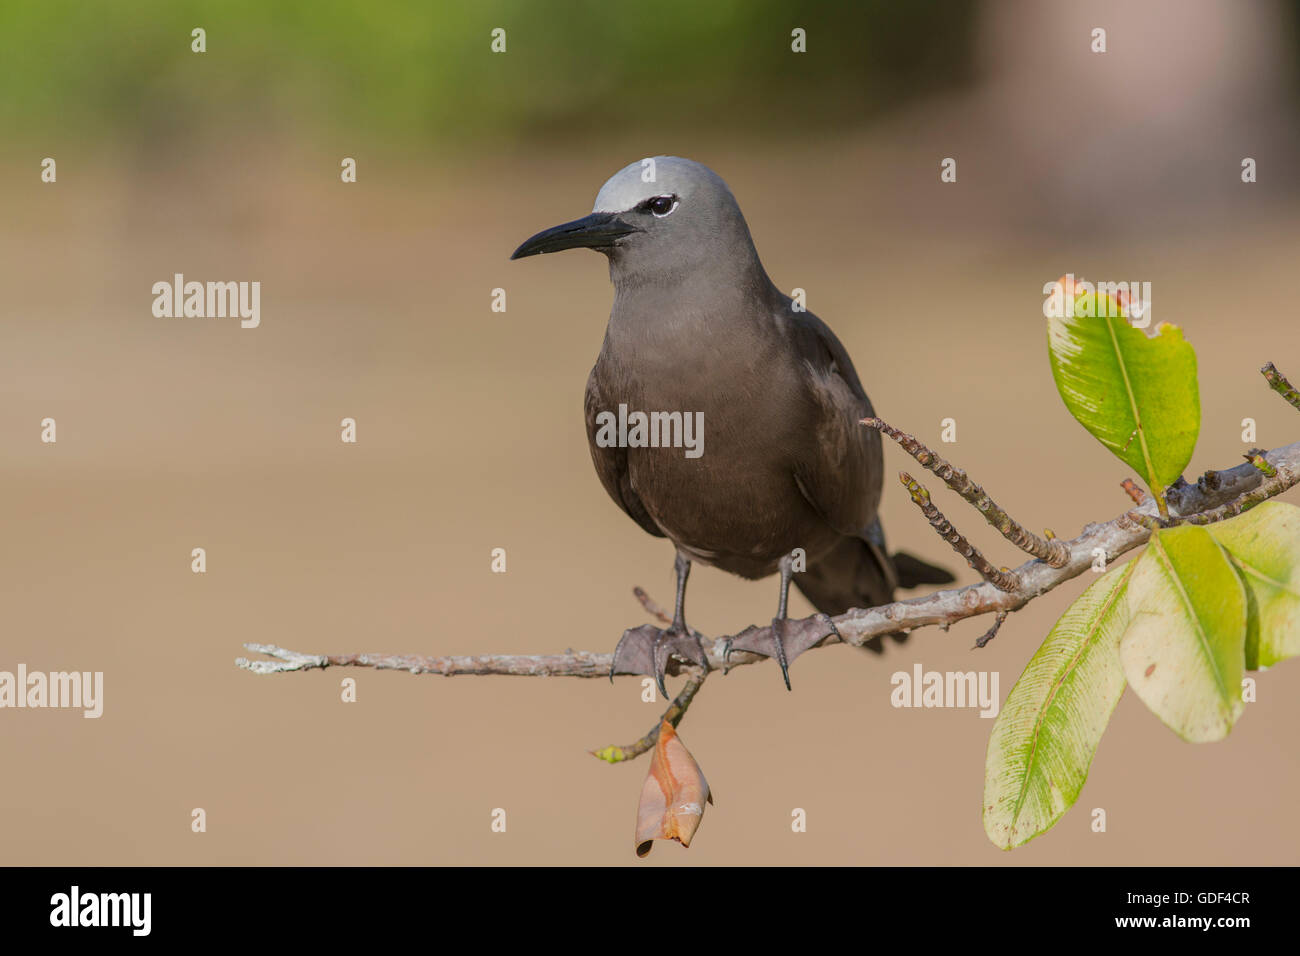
(674, 794)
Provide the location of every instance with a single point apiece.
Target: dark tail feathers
(913, 572)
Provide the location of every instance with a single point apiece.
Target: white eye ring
(661, 215)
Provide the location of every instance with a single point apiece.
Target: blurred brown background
(183, 433)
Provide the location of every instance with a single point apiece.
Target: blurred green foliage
(423, 72)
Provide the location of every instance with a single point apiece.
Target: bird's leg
(784, 639)
(646, 649)
(778, 622)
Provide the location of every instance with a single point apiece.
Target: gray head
(658, 218)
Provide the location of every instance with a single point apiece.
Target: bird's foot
(647, 649)
(783, 639)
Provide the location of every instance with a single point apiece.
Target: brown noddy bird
(701, 343)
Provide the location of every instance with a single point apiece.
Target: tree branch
(1217, 495)
(569, 664)
(1133, 491)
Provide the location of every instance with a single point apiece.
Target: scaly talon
(647, 649)
(783, 639)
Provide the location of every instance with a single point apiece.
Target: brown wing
(842, 476)
(842, 479)
(611, 463)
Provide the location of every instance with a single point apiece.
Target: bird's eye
(661, 206)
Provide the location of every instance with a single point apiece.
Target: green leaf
(1184, 650)
(1135, 393)
(1264, 544)
(1047, 732)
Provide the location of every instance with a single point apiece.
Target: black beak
(597, 231)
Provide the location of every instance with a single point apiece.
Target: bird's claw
(783, 639)
(647, 649)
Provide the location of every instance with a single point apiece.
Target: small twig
(992, 632)
(651, 606)
(1002, 580)
(290, 660)
(656, 610)
(1053, 552)
(1277, 381)
(1134, 491)
(674, 714)
(1256, 457)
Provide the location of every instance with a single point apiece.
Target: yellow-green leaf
(1047, 732)
(1184, 649)
(1264, 544)
(1136, 394)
